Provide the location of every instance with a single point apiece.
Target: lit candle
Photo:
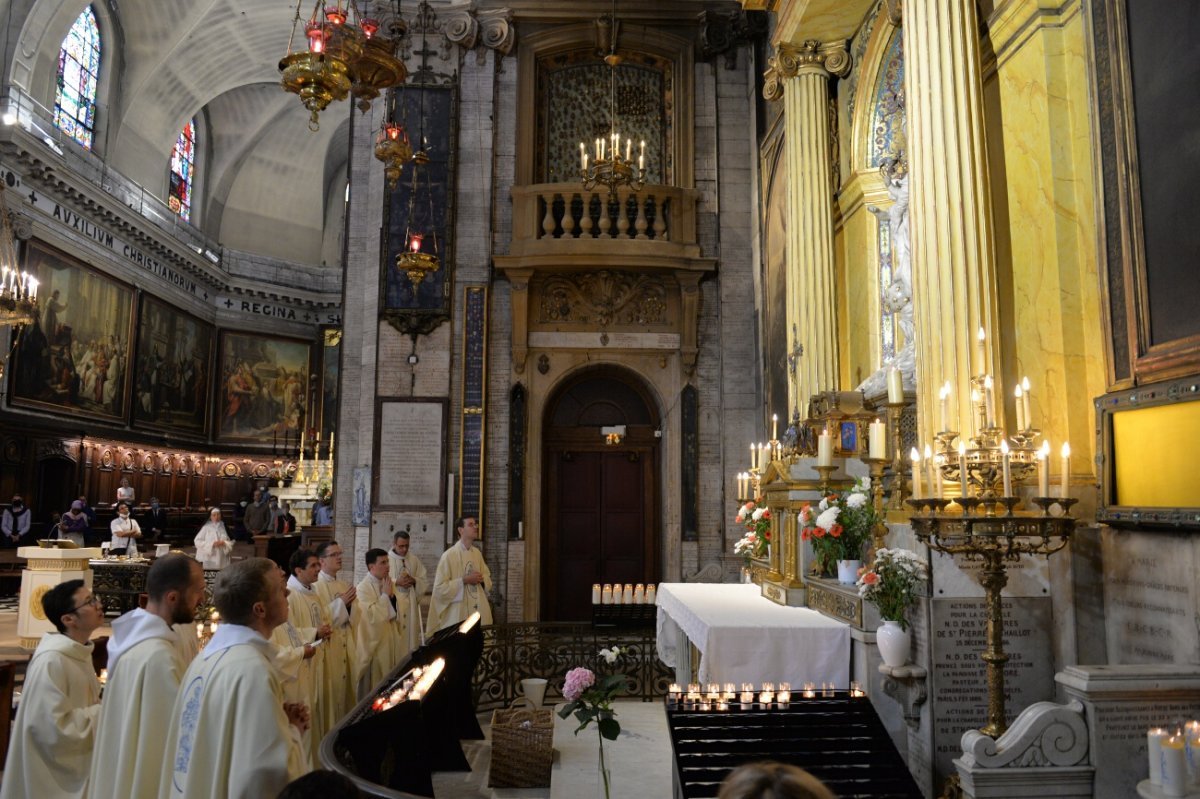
(103, 676)
(583, 155)
(929, 465)
(1066, 469)
(639, 594)
(765, 698)
(810, 690)
(1025, 395)
(596, 594)
(1019, 405)
(628, 149)
(212, 628)
(964, 488)
(895, 386)
(650, 594)
(753, 451)
(826, 689)
(1174, 768)
(856, 689)
(729, 689)
(774, 427)
(943, 399)
(1043, 469)
(1007, 470)
(763, 457)
(784, 698)
(704, 707)
(585, 162)
(980, 356)
(721, 706)
(216, 616)
(974, 412)
(641, 163)
(627, 594)
(916, 473)
(938, 460)
(878, 439)
(989, 401)
(747, 698)
(199, 629)
(606, 596)
(825, 448)
(1191, 746)
(693, 688)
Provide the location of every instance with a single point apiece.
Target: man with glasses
(55, 728)
(338, 597)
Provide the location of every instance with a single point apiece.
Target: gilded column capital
(810, 57)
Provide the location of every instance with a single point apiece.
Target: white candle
(1154, 738)
(974, 412)
(747, 698)
(1174, 768)
(980, 356)
(929, 465)
(1066, 469)
(774, 427)
(627, 594)
(606, 597)
(962, 470)
(916, 473)
(596, 594)
(943, 399)
(989, 401)
(895, 386)
(1191, 747)
(753, 451)
(1007, 471)
(1025, 395)
(878, 439)
(937, 474)
(825, 448)
(521, 530)
(1043, 470)
(639, 594)
(1019, 405)
(651, 594)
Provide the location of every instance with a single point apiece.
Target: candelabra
(879, 531)
(989, 530)
(894, 412)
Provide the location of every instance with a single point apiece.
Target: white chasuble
(144, 670)
(453, 600)
(229, 735)
(306, 612)
(376, 636)
(338, 651)
(52, 737)
(408, 600)
(297, 676)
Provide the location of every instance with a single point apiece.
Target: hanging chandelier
(393, 149)
(420, 255)
(346, 56)
(608, 167)
(18, 289)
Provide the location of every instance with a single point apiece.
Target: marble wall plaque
(410, 454)
(958, 688)
(1150, 597)
(955, 576)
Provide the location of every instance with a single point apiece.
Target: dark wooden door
(600, 525)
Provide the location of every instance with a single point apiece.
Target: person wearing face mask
(74, 524)
(15, 523)
(125, 532)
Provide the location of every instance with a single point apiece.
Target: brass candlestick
(876, 465)
(826, 472)
(894, 411)
(997, 536)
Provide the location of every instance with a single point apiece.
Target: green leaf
(567, 710)
(583, 714)
(609, 728)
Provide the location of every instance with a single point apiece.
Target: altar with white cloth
(743, 637)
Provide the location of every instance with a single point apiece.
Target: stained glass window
(78, 74)
(183, 168)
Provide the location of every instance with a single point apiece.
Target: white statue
(898, 296)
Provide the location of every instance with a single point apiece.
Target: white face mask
(124, 514)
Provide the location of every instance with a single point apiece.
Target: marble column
(953, 260)
(800, 76)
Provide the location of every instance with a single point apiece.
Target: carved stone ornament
(789, 61)
(460, 27)
(604, 298)
(1046, 734)
(725, 31)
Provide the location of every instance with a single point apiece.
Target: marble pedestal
(44, 569)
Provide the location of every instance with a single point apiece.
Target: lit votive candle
(747, 698)
(783, 698)
(704, 707)
(103, 676)
(1191, 748)
(826, 689)
(674, 689)
(729, 688)
(639, 594)
(607, 595)
(747, 686)
(692, 698)
(596, 594)
(199, 629)
(650, 594)
(215, 616)
(693, 688)
(766, 698)
(721, 706)
(769, 686)
(1154, 739)
(1174, 771)
(810, 690)
(856, 689)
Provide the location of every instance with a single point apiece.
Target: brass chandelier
(346, 55)
(419, 257)
(608, 167)
(393, 149)
(18, 289)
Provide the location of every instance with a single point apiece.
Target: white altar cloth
(744, 637)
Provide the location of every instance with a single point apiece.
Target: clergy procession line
(294, 655)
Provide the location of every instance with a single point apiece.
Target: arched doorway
(600, 507)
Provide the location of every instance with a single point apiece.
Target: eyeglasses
(93, 600)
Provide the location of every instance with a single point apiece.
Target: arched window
(78, 75)
(183, 169)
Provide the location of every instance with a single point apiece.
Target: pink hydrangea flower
(578, 681)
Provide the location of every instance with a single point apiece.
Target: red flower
(870, 578)
(836, 531)
(805, 534)
(750, 505)
(766, 535)
(766, 514)
(818, 532)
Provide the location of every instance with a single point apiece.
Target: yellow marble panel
(1172, 481)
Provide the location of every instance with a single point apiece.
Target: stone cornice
(789, 61)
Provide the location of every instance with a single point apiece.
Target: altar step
(838, 739)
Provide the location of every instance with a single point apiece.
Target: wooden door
(600, 525)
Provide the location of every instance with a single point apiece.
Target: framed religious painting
(172, 379)
(262, 388)
(331, 350)
(74, 359)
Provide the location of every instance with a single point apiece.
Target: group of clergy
(294, 655)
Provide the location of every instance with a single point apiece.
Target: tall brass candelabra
(990, 531)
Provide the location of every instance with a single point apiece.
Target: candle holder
(879, 531)
(826, 473)
(996, 536)
(894, 412)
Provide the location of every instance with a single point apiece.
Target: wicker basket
(522, 750)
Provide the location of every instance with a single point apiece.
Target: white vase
(893, 643)
(848, 571)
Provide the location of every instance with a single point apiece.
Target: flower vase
(893, 643)
(847, 571)
(747, 575)
(603, 776)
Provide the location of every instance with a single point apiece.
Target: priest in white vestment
(461, 583)
(338, 651)
(376, 635)
(50, 751)
(411, 579)
(231, 732)
(144, 670)
(307, 614)
(213, 547)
